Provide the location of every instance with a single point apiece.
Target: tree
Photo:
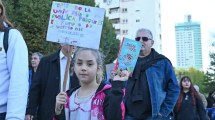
(32, 16)
(109, 44)
(84, 2)
(210, 74)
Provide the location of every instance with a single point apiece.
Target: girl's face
(186, 83)
(86, 67)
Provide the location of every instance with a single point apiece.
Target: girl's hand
(121, 76)
(60, 101)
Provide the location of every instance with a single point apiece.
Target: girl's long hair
(3, 17)
(193, 93)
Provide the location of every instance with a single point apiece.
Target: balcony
(113, 4)
(116, 25)
(114, 15)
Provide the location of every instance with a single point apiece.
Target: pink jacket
(107, 104)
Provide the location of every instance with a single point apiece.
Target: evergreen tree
(31, 18)
(210, 74)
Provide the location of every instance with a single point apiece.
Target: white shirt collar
(62, 56)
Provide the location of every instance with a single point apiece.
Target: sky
(173, 11)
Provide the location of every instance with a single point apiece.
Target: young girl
(93, 99)
(189, 105)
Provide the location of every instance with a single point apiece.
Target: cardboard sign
(128, 55)
(75, 24)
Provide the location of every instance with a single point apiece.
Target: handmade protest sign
(127, 56)
(75, 24)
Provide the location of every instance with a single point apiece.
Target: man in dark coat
(46, 84)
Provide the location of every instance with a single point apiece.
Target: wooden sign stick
(69, 53)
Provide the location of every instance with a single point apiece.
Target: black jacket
(189, 112)
(45, 87)
(138, 104)
(210, 101)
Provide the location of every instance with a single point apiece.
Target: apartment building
(188, 44)
(127, 16)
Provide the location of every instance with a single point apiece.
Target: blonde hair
(3, 17)
(99, 60)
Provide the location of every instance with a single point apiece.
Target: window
(125, 21)
(113, 10)
(117, 31)
(125, 32)
(109, 2)
(124, 9)
(115, 21)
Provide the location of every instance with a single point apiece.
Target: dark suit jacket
(46, 86)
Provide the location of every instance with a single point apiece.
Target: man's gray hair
(144, 30)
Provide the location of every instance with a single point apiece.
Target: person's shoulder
(104, 86)
(201, 94)
(165, 59)
(159, 57)
(69, 92)
(15, 36)
(30, 71)
(51, 57)
(14, 32)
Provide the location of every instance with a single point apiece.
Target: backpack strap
(5, 38)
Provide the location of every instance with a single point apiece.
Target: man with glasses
(152, 91)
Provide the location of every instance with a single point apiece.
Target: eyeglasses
(143, 38)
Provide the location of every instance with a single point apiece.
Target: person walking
(13, 70)
(189, 105)
(152, 91)
(48, 82)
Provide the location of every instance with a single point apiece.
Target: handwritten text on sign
(75, 24)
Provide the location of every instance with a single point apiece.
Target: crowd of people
(49, 92)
